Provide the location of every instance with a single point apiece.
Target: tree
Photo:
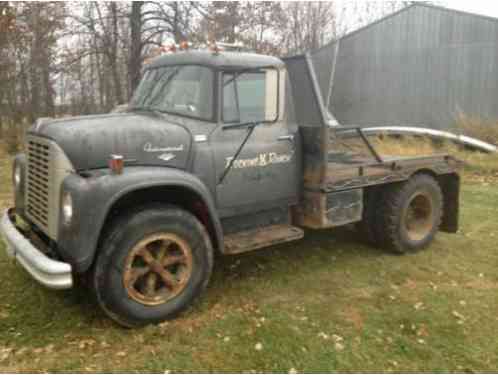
(308, 25)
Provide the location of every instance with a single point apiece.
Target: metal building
(422, 66)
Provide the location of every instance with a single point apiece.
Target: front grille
(38, 182)
(47, 168)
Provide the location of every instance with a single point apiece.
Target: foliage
(86, 57)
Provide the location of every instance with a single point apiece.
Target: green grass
(433, 311)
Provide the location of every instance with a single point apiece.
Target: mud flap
(450, 185)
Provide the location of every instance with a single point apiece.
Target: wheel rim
(157, 269)
(419, 216)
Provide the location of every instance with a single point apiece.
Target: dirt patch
(482, 284)
(353, 315)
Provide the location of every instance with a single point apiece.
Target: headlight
(67, 207)
(17, 175)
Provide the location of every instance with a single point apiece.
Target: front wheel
(152, 265)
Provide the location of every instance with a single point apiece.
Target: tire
(368, 227)
(410, 214)
(161, 243)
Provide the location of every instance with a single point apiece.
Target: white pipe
(461, 139)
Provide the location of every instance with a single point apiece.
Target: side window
(250, 96)
(251, 92)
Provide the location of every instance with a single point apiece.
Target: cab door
(264, 174)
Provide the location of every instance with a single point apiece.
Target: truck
(217, 153)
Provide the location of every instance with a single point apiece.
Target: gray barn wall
(420, 66)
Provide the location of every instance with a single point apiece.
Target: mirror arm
(250, 129)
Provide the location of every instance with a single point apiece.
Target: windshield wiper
(250, 128)
(241, 125)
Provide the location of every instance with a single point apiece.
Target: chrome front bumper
(48, 272)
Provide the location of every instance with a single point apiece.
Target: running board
(261, 237)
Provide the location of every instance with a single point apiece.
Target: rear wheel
(152, 265)
(411, 214)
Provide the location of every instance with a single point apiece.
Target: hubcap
(157, 269)
(418, 218)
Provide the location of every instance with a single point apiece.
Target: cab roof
(221, 60)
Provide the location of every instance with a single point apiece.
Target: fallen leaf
(339, 346)
(419, 306)
(337, 338)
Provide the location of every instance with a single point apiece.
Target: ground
(327, 303)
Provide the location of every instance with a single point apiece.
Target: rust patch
(157, 269)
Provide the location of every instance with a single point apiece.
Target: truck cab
(217, 152)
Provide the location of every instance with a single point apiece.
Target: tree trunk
(114, 64)
(135, 59)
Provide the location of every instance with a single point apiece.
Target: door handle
(288, 137)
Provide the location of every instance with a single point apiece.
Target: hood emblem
(166, 156)
(149, 148)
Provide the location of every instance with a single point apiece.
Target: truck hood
(142, 139)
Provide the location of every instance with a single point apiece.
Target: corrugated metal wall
(420, 66)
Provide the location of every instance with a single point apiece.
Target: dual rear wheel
(403, 217)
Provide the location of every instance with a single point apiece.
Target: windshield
(185, 90)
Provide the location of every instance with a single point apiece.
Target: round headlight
(67, 207)
(17, 175)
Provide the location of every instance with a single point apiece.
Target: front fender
(93, 198)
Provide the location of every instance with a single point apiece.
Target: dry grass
(484, 130)
(5, 177)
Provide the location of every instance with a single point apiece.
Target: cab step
(252, 239)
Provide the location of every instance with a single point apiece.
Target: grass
(326, 303)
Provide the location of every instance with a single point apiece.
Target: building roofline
(420, 4)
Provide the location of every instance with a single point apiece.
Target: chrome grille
(38, 182)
